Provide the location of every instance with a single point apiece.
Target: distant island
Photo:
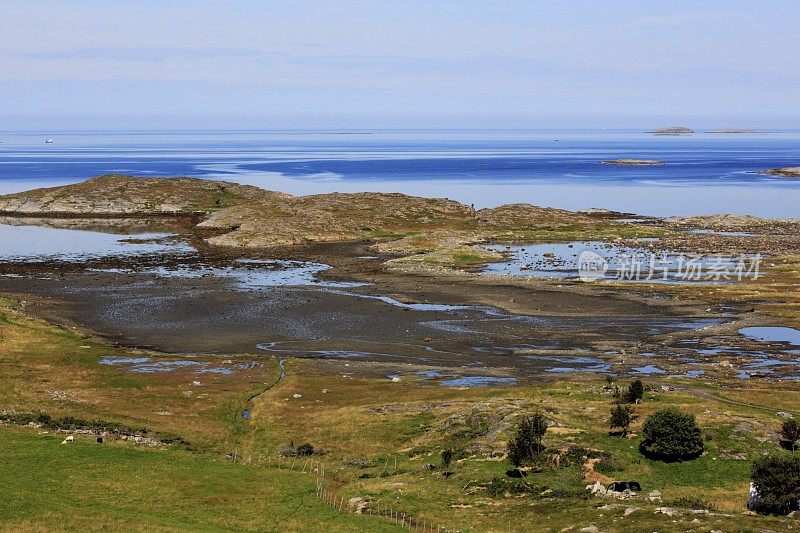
(732, 130)
(633, 162)
(786, 172)
(672, 131)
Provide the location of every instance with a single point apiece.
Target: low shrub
(777, 482)
(499, 487)
(670, 435)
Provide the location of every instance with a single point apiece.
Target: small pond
(41, 243)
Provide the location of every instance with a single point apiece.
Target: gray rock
(669, 511)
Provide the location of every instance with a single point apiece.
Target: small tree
(617, 396)
(635, 392)
(447, 458)
(670, 435)
(790, 433)
(621, 417)
(777, 481)
(527, 442)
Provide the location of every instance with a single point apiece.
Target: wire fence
(359, 505)
(326, 493)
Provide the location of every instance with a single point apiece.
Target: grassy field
(377, 440)
(87, 486)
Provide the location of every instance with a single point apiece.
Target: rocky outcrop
(526, 215)
(252, 217)
(727, 222)
(675, 130)
(118, 195)
(335, 217)
(786, 172)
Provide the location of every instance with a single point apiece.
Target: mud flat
(367, 278)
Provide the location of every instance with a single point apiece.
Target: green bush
(777, 480)
(527, 442)
(498, 487)
(608, 464)
(670, 435)
(790, 434)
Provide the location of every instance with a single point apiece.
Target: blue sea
(705, 173)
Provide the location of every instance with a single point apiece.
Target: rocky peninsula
(674, 130)
(786, 172)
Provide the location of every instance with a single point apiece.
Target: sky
(263, 64)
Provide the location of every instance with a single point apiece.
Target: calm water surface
(705, 173)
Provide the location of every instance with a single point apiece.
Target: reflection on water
(149, 365)
(39, 243)
(477, 381)
(705, 173)
(258, 274)
(649, 370)
(562, 260)
(721, 233)
(773, 334)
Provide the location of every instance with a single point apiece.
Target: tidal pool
(772, 334)
(478, 381)
(621, 263)
(570, 363)
(41, 243)
(649, 370)
(258, 274)
(721, 233)
(149, 365)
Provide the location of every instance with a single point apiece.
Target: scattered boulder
(654, 496)
(597, 489)
(69, 438)
(357, 505)
(669, 511)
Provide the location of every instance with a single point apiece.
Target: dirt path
(709, 395)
